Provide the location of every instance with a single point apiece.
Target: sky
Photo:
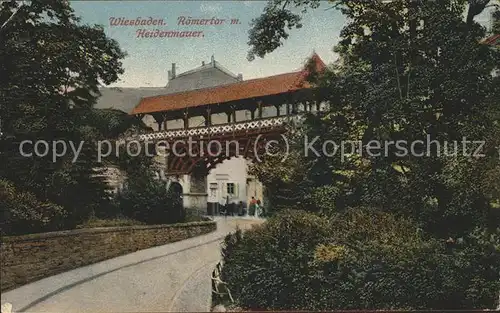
(149, 59)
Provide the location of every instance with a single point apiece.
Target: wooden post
(287, 109)
(164, 115)
(260, 108)
(186, 119)
(252, 114)
(208, 118)
(139, 116)
(158, 119)
(233, 113)
(278, 107)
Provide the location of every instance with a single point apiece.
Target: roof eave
(135, 112)
(296, 85)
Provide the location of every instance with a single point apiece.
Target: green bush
(149, 201)
(357, 260)
(192, 216)
(268, 267)
(474, 269)
(23, 213)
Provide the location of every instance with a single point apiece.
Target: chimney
(202, 63)
(169, 75)
(213, 60)
(173, 70)
(240, 77)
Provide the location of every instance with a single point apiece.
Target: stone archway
(176, 192)
(176, 188)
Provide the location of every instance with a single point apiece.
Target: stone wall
(32, 257)
(113, 176)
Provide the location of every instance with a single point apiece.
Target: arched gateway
(199, 129)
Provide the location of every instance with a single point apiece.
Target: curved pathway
(169, 278)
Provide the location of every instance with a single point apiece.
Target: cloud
(212, 8)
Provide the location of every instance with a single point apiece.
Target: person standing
(257, 208)
(228, 206)
(241, 209)
(251, 207)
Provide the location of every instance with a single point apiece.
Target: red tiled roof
(259, 87)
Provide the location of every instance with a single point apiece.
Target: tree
(270, 29)
(408, 71)
(496, 22)
(23, 214)
(51, 69)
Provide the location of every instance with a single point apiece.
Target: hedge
(361, 259)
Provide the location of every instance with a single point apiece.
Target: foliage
(495, 27)
(191, 216)
(285, 185)
(496, 21)
(145, 198)
(148, 200)
(95, 222)
(475, 263)
(231, 242)
(269, 30)
(23, 213)
(266, 268)
(360, 259)
(112, 124)
(408, 72)
(137, 160)
(289, 181)
(54, 66)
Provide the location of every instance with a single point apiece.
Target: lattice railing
(220, 288)
(217, 129)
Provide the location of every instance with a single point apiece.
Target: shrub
(192, 216)
(268, 267)
(23, 213)
(474, 268)
(391, 266)
(360, 259)
(150, 202)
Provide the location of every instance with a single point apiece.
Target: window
(230, 189)
(213, 190)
